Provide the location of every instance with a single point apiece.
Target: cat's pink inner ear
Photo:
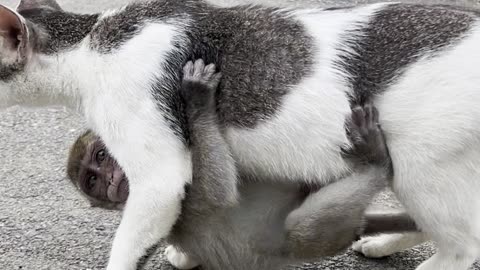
(12, 29)
(13, 37)
(35, 4)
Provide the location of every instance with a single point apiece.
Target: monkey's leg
(329, 220)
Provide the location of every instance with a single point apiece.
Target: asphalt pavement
(45, 224)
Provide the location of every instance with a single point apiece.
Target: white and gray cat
(272, 224)
(290, 78)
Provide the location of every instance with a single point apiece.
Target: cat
(290, 78)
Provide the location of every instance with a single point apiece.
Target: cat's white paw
(179, 259)
(387, 244)
(373, 247)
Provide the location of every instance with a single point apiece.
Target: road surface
(44, 224)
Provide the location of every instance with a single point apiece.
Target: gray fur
(261, 51)
(57, 30)
(396, 37)
(275, 52)
(388, 222)
(38, 4)
(113, 31)
(339, 207)
(7, 72)
(330, 219)
(280, 54)
(273, 224)
(214, 170)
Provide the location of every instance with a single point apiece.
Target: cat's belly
(302, 141)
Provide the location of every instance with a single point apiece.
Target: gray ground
(44, 224)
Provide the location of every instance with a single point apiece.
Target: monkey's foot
(179, 259)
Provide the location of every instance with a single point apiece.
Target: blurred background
(45, 224)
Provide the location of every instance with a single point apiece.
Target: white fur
(432, 123)
(157, 163)
(303, 139)
(387, 244)
(179, 259)
(431, 118)
(114, 93)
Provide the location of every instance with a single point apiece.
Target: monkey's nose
(111, 178)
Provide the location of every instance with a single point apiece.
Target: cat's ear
(36, 4)
(13, 36)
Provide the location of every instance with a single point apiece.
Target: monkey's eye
(91, 182)
(101, 156)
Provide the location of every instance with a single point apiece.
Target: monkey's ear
(13, 37)
(35, 4)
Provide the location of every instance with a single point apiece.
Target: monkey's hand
(199, 85)
(368, 146)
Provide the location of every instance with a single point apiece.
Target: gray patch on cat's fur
(114, 30)
(63, 29)
(258, 50)
(397, 36)
(7, 72)
(260, 54)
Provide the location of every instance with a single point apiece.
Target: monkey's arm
(214, 172)
(330, 219)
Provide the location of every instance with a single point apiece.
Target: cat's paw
(375, 246)
(199, 73)
(179, 259)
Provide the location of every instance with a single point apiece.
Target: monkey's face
(101, 178)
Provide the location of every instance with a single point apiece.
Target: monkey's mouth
(123, 190)
(118, 190)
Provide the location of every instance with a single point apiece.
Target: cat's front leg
(153, 207)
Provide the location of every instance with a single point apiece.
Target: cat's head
(19, 36)
(34, 29)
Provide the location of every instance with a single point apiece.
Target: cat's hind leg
(386, 244)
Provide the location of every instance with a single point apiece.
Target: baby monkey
(271, 223)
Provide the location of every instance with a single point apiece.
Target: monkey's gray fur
(274, 223)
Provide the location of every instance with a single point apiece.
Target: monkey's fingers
(209, 71)
(199, 68)
(360, 118)
(371, 116)
(214, 81)
(188, 70)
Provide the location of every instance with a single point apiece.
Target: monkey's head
(96, 174)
